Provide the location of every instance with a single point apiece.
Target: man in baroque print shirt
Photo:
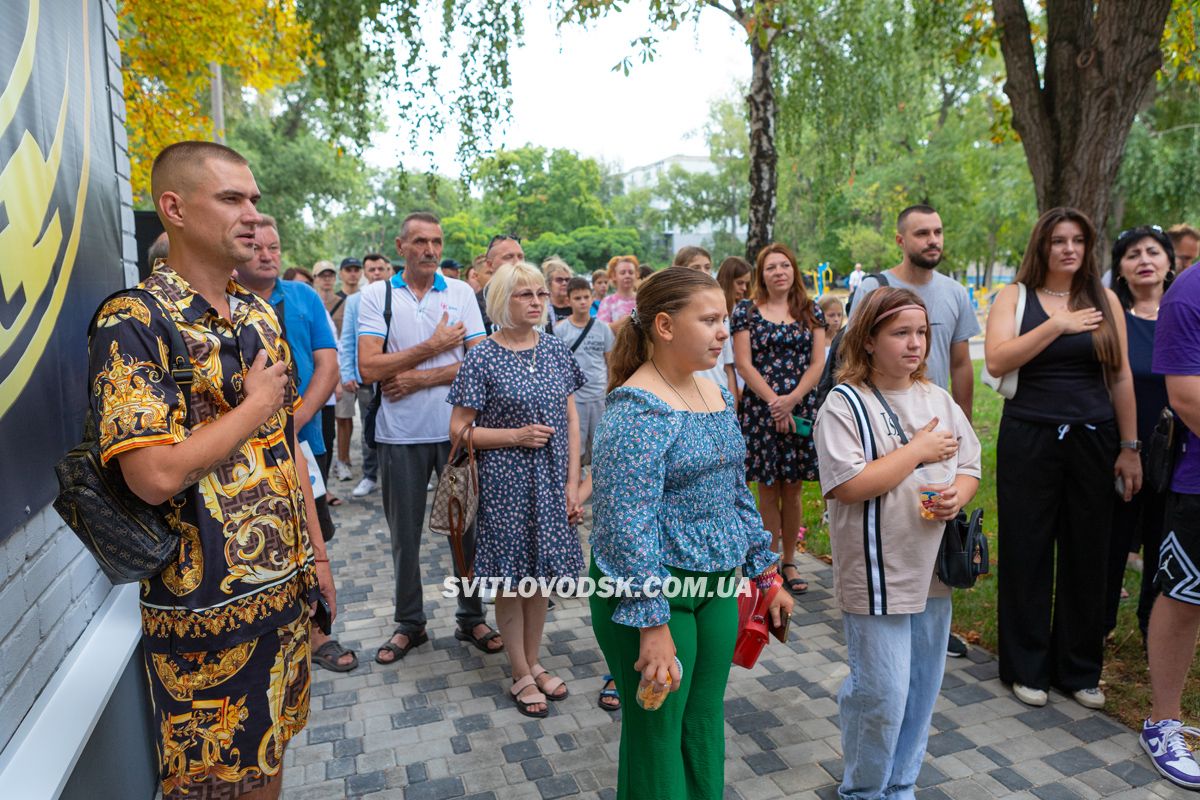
(226, 627)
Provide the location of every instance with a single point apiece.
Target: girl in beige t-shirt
(884, 435)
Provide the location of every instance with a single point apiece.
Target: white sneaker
(341, 471)
(364, 488)
(1090, 698)
(429, 487)
(1030, 697)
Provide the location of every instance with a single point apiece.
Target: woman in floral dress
(779, 350)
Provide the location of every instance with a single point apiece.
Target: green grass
(1127, 683)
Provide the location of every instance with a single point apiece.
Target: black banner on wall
(60, 235)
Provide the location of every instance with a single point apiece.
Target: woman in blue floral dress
(779, 350)
(517, 387)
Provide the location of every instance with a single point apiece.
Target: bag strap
(586, 329)
(891, 414)
(180, 362)
(336, 306)
(1022, 298)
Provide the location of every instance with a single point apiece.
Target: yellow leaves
(166, 51)
(1179, 45)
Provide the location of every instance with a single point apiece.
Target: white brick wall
(50, 587)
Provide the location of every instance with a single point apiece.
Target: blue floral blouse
(670, 490)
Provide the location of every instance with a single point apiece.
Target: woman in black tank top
(1066, 434)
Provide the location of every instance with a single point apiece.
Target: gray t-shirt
(951, 317)
(589, 356)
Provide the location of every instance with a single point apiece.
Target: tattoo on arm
(196, 475)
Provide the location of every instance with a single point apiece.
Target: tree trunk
(1074, 121)
(763, 158)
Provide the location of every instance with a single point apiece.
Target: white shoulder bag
(1006, 384)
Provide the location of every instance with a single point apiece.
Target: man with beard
(952, 320)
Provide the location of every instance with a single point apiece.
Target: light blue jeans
(896, 666)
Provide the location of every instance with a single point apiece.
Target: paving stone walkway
(440, 724)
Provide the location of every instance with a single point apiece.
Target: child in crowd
(590, 343)
(599, 289)
(671, 500)
(885, 433)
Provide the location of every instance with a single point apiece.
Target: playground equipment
(821, 277)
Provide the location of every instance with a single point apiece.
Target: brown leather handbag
(456, 499)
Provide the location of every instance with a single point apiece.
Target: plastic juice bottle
(651, 695)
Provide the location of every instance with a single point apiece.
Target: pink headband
(898, 309)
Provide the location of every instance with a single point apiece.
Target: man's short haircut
(417, 216)
(376, 257)
(578, 284)
(157, 250)
(175, 166)
(268, 222)
(919, 208)
(1182, 231)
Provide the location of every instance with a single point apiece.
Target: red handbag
(754, 625)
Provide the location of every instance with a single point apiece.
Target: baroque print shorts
(223, 717)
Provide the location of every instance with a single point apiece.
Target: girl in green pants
(671, 504)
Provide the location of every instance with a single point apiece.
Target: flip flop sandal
(329, 656)
(480, 642)
(335, 501)
(398, 652)
(609, 693)
(551, 684)
(532, 700)
(796, 585)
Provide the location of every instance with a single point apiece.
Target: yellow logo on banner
(36, 259)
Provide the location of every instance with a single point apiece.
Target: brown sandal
(398, 652)
(551, 684)
(537, 698)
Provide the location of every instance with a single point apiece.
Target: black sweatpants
(1054, 490)
(1141, 519)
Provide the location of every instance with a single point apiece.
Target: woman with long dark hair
(779, 350)
(1066, 434)
(1142, 261)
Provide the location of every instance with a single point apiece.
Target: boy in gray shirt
(590, 342)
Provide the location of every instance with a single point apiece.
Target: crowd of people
(689, 410)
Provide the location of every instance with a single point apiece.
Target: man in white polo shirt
(434, 319)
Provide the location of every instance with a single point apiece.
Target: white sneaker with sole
(1169, 751)
(1090, 698)
(1030, 697)
(364, 488)
(341, 470)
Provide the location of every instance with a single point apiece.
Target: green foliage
(587, 248)
(529, 191)
(1161, 172)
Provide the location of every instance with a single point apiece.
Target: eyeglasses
(500, 237)
(561, 279)
(524, 297)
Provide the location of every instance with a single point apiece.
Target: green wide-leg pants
(678, 751)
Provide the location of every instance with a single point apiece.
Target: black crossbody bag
(128, 537)
(963, 554)
(1162, 451)
(377, 398)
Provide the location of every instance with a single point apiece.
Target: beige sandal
(551, 684)
(534, 699)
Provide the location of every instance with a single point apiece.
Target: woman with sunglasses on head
(518, 387)
(623, 274)
(1142, 270)
(1067, 433)
(779, 350)
(671, 503)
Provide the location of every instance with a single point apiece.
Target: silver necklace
(1055, 294)
(512, 349)
(676, 391)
